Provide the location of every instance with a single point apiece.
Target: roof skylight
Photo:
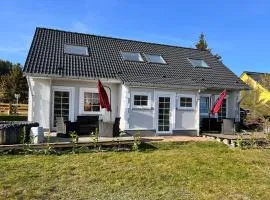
(198, 63)
(76, 50)
(131, 56)
(155, 59)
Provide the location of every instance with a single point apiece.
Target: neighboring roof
(46, 57)
(256, 76)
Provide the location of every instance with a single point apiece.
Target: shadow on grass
(151, 146)
(170, 145)
(148, 147)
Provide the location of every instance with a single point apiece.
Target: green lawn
(205, 170)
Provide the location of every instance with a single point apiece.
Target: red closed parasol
(218, 103)
(103, 97)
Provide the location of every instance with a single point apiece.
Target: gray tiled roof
(47, 58)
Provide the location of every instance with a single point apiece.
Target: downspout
(50, 112)
(198, 112)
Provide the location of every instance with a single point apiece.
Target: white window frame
(192, 96)
(172, 96)
(210, 104)
(71, 91)
(81, 101)
(149, 102)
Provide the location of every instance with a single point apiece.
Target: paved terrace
(62, 142)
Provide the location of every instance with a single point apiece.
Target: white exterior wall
(77, 85)
(41, 105)
(39, 101)
(141, 118)
(146, 119)
(186, 119)
(124, 106)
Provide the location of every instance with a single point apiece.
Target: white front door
(164, 112)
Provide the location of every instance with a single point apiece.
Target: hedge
(12, 118)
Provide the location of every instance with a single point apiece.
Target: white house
(154, 88)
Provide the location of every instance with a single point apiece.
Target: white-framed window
(186, 101)
(89, 101)
(76, 50)
(141, 100)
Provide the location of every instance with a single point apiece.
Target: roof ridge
(250, 72)
(123, 39)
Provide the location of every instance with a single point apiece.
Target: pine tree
(202, 44)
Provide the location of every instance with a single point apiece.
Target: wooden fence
(10, 109)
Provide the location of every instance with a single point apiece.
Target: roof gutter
(49, 76)
(159, 86)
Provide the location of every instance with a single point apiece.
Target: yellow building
(259, 82)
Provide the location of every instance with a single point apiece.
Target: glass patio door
(164, 109)
(61, 105)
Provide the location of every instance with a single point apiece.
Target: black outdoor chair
(63, 128)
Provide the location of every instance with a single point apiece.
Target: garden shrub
(12, 118)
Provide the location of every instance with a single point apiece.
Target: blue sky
(237, 30)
